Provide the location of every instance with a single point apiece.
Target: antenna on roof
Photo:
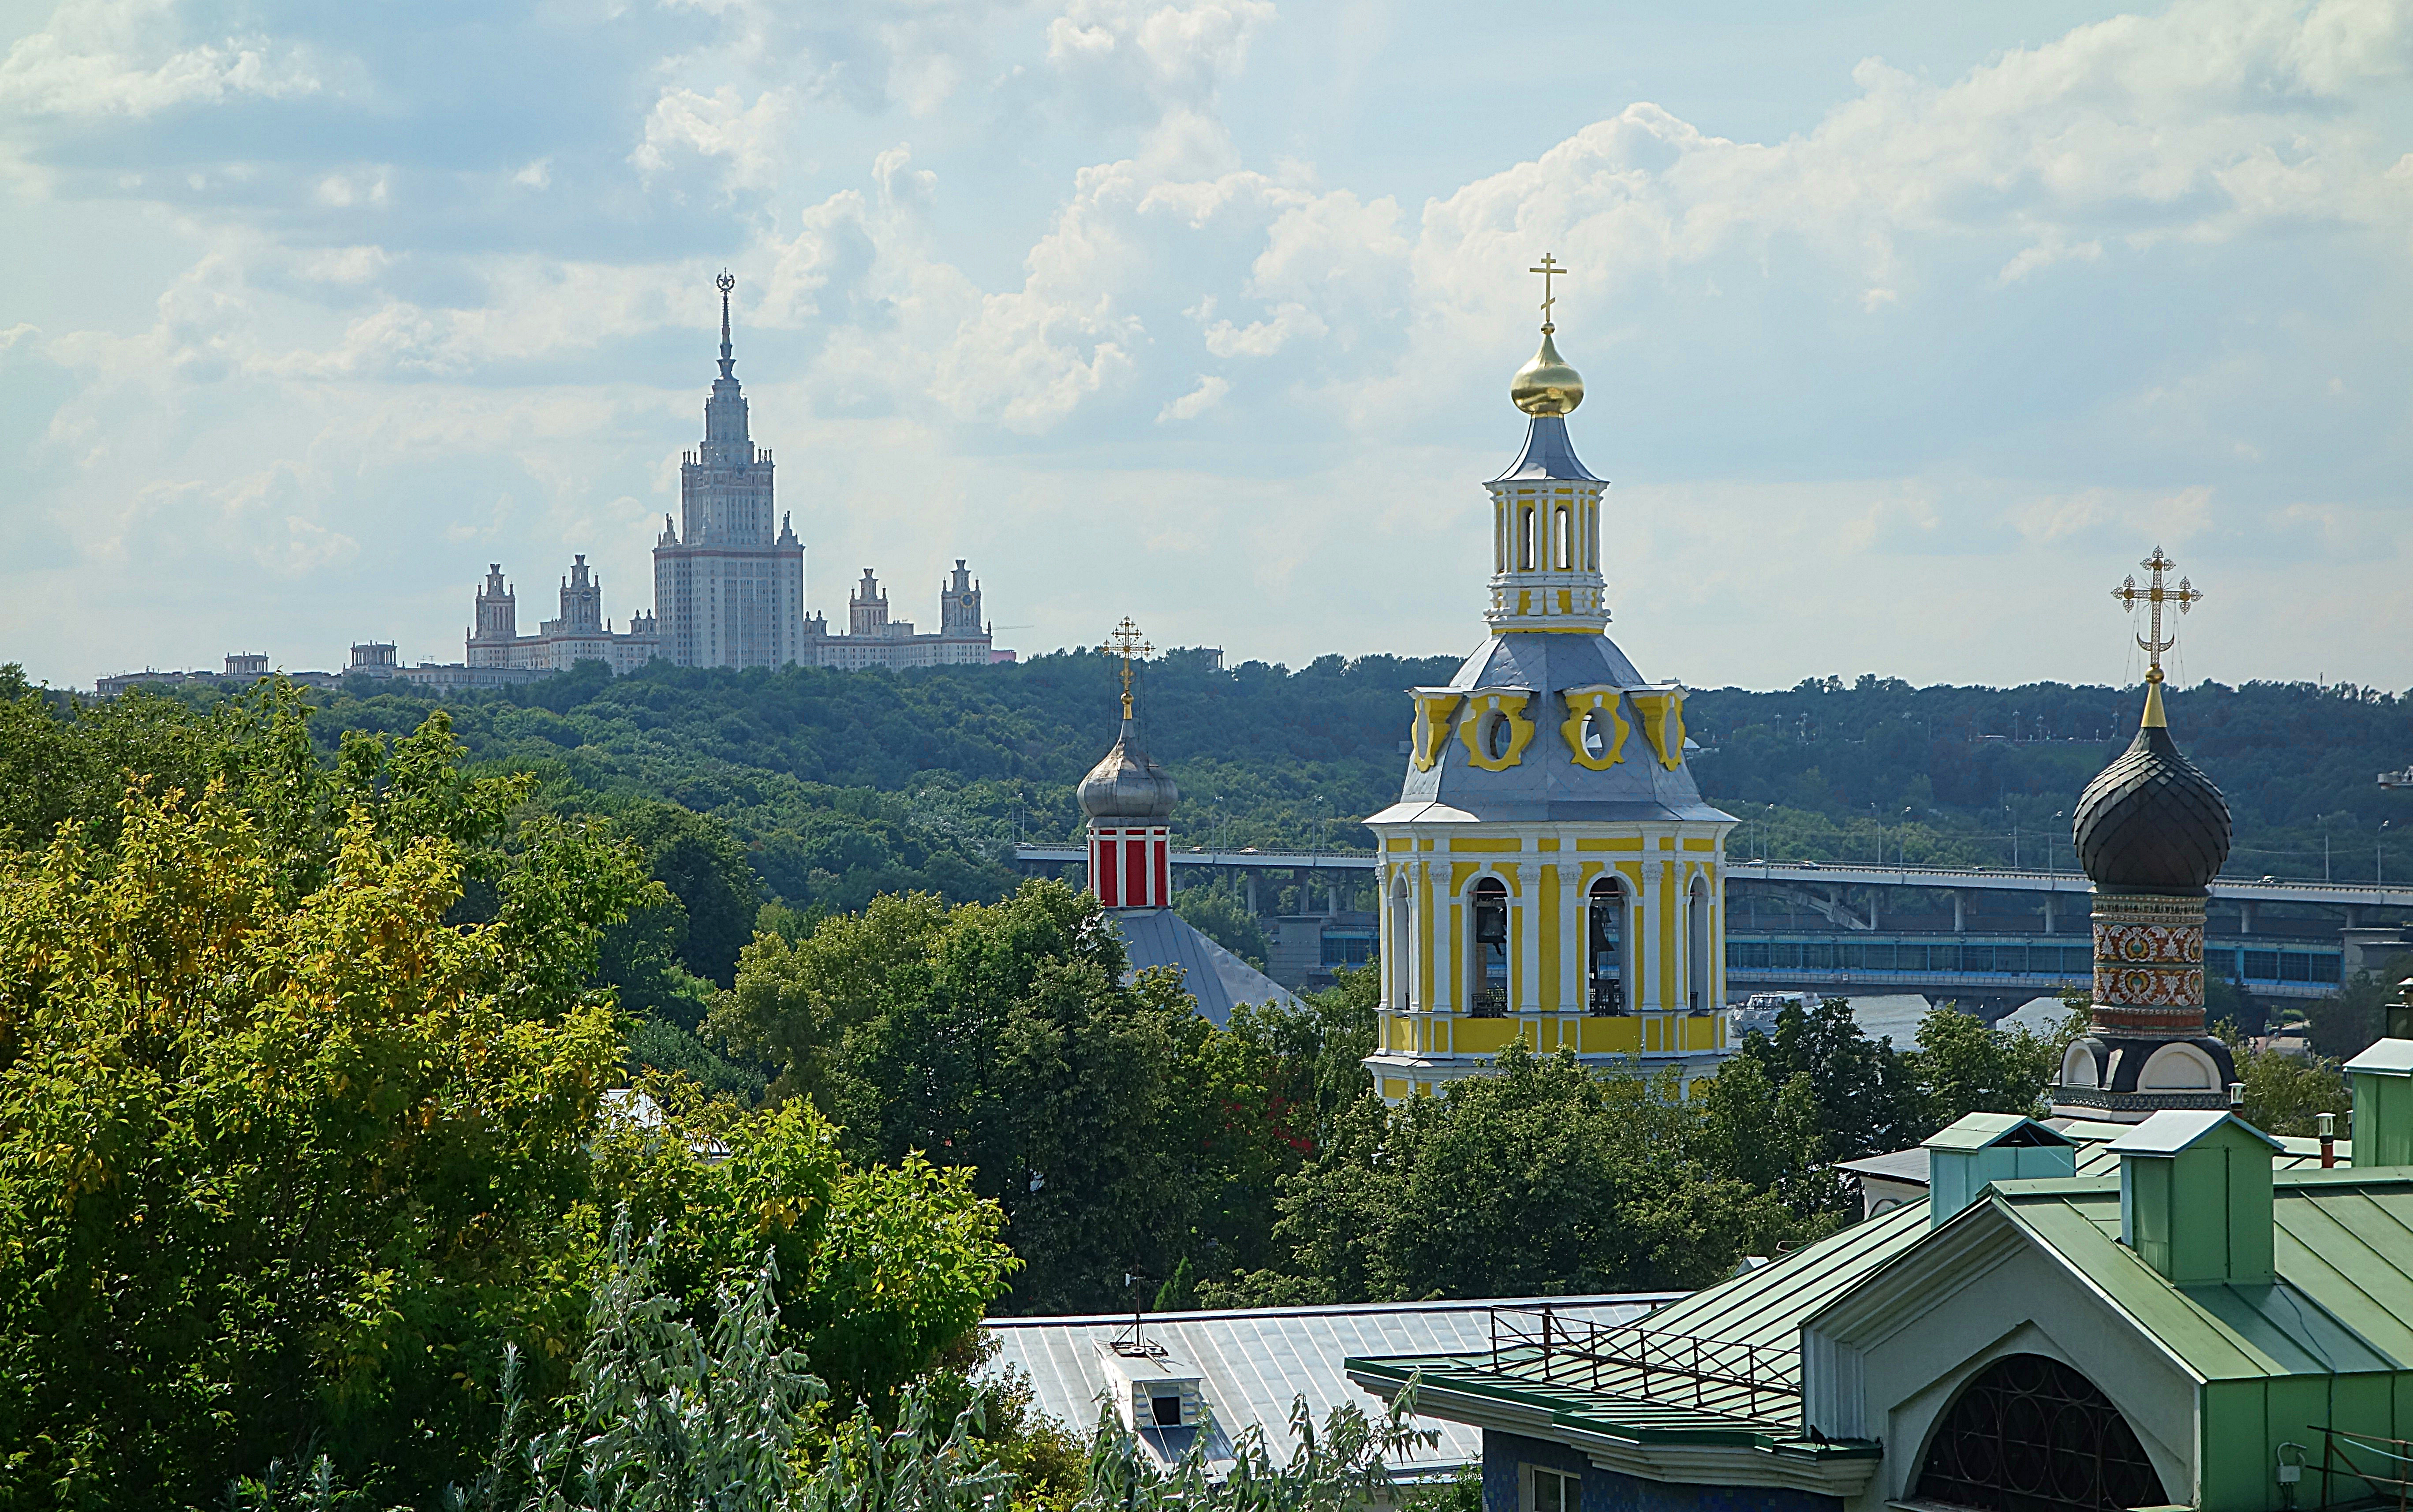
(1134, 1342)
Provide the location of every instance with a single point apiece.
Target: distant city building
(732, 594)
(874, 640)
(729, 592)
(580, 634)
(244, 666)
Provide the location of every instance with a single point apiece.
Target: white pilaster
(1572, 989)
(1645, 949)
(1529, 951)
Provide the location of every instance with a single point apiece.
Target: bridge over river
(1988, 936)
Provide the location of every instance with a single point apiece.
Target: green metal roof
(1982, 1131)
(2388, 1058)
(2172, 1129)
(2343, 1302)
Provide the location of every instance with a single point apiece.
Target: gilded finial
(1126, 643)
(2153, 643)
(1546, 385)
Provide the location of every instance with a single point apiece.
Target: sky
(1907, 329)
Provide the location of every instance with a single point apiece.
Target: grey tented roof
(1545, 784)
(1255, 1362)
(1220, 980)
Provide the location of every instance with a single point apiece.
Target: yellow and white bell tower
(1551, 872)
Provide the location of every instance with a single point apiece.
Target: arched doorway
(2031, 1435)
(1486, 984)
(1604, 948)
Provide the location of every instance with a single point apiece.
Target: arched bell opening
(2030, 1433)
(1487, 986)
(1703, 969)
(1604, 948)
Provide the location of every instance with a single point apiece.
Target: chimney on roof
(1984, 1148)
(2195, 1197)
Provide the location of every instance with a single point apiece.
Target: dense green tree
(272, 1170)
(1856, 1095)
(2285, 1093)
(705, 869)
(1962, 1066)
(302, 1081)
(1543, 1178)
(1009, 1040)
(2341, 1024)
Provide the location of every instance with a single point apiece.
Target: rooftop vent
(1985, 1147)
(2195, 1197)
(1152, 1386)
(2382, 1077)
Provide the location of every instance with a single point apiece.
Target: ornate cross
(1549, 268)
(1126, 643)
(2130, 595)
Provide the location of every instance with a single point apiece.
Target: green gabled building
(2165, 1308)
(2188, 1308)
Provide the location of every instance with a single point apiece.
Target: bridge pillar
(2245, 915)
(1960, 913)
(1248, 880)
(2047, 911)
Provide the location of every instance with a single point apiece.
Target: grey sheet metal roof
(1220, 980)
(1909, 1165)
(1548, 453)
(1256, 1361)
(1546, 783)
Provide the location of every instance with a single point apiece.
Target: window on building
(1603, 936)
(1165, 1407)
(2031, 1435)
(1398, 960)
(1550, 1491)
(1488, 989)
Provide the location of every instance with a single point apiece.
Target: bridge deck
(2340, 894)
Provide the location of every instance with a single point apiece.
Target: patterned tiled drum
(2148, 954)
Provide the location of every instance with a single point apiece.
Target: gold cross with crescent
(1551, 267)
(1126, 643)
(2156, 595)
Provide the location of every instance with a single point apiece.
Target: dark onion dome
(2150, 822)
(1127, 788)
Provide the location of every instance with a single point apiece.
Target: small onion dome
(1546, 385)
(1127, 788)
(2150, 822)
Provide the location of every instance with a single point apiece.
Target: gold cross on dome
(1551, 267)
(1126, 643)
(2156, 595)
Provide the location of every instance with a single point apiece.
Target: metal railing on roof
(1716, 1375)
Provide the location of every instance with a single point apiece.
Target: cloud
(2144, 277)
(130, 57)
(1208, 394)
(751, 140)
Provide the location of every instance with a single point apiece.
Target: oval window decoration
(1495, 735)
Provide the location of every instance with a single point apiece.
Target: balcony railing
(1718, 1375)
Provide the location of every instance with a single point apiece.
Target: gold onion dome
(1546, 385)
